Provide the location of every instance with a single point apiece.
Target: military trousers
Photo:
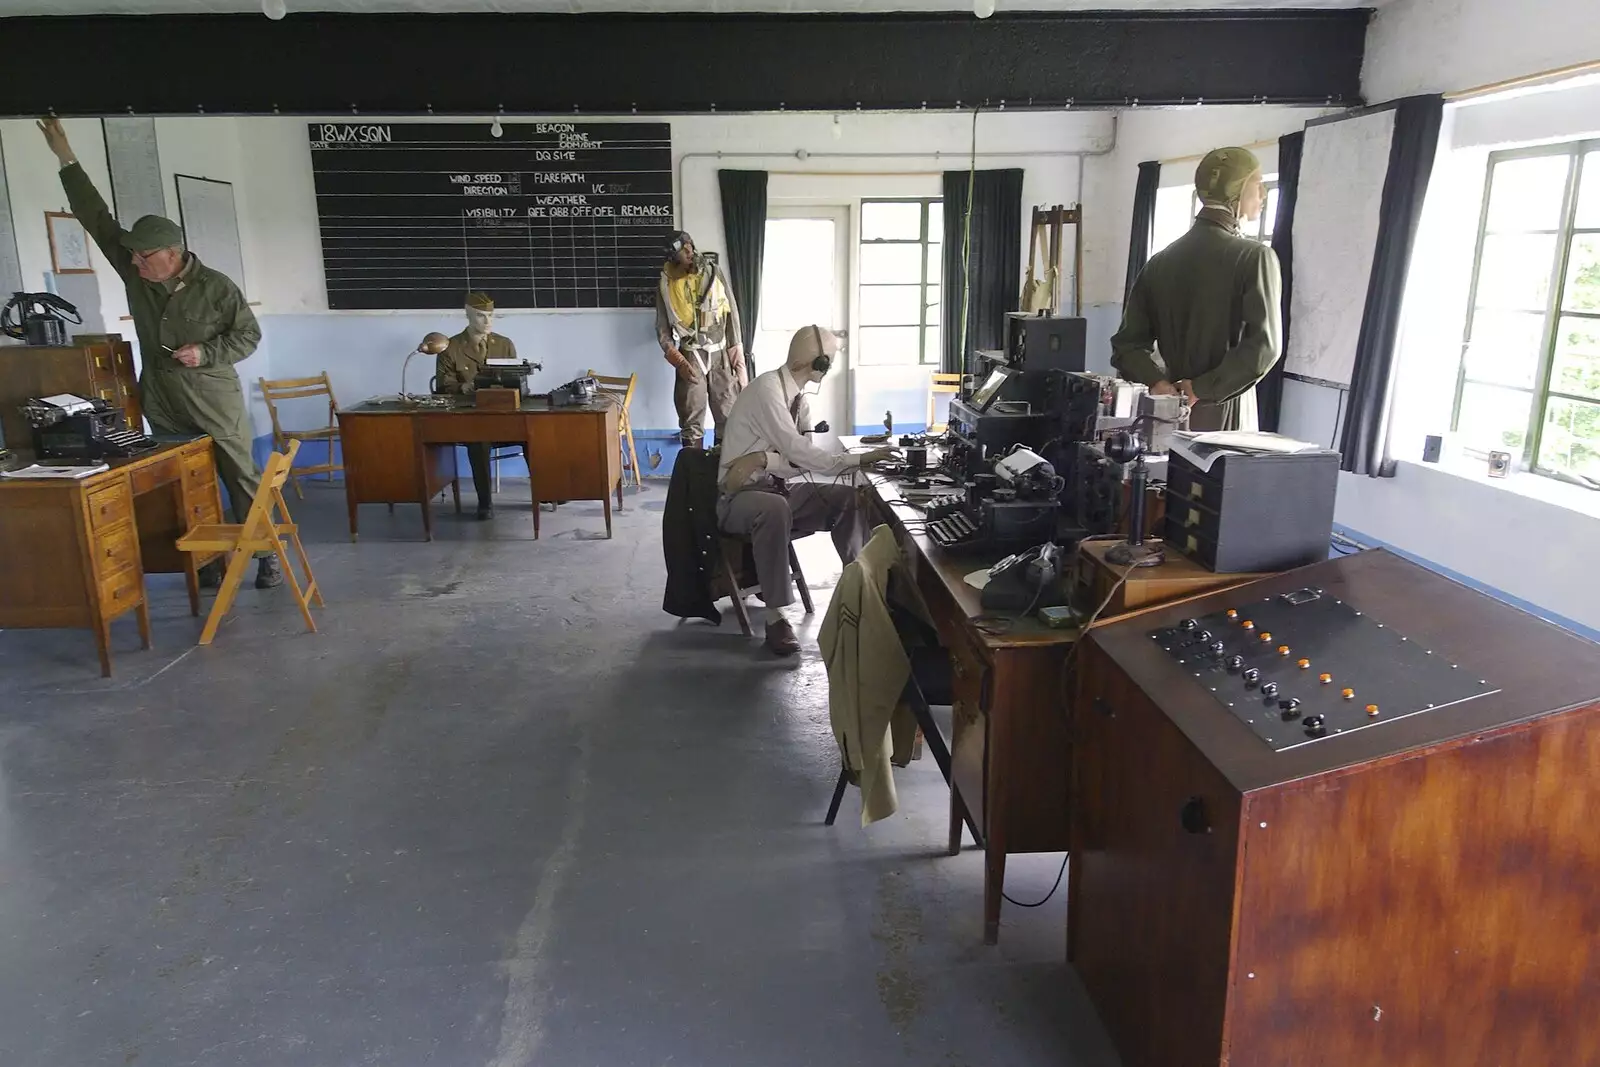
(184, 402)
(771, 518)
(478, 458)
(715, 383)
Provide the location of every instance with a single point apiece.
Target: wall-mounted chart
(547, 215)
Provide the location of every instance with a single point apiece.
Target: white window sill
(1533, 486)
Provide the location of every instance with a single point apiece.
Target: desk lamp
(432, 345)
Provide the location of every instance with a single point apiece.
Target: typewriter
(71, 428)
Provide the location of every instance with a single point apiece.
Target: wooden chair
(621, 391)
(940, 383)
(261, 531)
(273, 391)
(738, 583)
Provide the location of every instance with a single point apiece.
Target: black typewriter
(72, 428)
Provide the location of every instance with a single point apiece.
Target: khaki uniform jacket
(456, 370)
(867, 672)
(204, 307)
(1207, 308)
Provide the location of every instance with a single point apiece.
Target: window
(901, 259)
(1261, 229)
(1177, 205)
(1528, 381)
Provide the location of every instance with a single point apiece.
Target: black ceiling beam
(620, 64)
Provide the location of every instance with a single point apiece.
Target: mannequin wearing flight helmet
(1205, 316)
(697, 325)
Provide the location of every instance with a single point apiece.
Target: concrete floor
(501, 810)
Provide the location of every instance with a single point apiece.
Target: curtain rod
(1523, 81)
(1197, 158)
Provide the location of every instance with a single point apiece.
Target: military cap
(152, 232)
(480, 302)
(676, 240)
(1220, 177)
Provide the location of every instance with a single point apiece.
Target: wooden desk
(395, 453)
(1010, 754)
(74, 552)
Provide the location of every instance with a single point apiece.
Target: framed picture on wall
(69, 244)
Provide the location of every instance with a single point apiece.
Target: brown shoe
(781, 640)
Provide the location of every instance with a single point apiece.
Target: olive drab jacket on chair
(867, 672)
(199, 306)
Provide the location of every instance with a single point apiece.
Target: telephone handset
(38, 318)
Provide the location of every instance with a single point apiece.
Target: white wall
(1433, 46)
(1147, 134)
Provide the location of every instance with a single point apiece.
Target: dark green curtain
(744, 229)
(1144, 222)
(1364, 448)
(1269, 391)
(994, 265)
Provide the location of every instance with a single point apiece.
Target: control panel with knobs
(1303, 666)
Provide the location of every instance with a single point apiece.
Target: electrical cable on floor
(1040, 903)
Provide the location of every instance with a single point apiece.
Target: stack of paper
(40, 470)
(1204, 449)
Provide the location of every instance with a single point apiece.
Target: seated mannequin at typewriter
(776, 485)
(457, 373)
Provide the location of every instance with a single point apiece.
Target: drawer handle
(1194, 818)
(1196, 491)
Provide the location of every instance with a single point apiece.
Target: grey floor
(501, 810)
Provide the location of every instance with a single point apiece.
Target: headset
(676, 241)
(824, 362)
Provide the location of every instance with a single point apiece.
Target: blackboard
(548, 215)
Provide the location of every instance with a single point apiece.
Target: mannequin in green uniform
(193, 325)
(457, 371)
(1205, 316)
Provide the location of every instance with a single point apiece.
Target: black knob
(1218, 647)
(1316, 726)
(1290, 709)
(1193, 816)
(1189, 625)
(1269, 689)
(1235, 662)
(1204, 636)
(1252, 676)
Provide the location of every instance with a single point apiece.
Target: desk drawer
(115, 549)
(119, 592)
(201, 510)
(110, 505)
(155, 474)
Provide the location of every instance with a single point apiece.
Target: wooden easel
(1051, 220)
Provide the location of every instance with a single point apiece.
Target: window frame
(1540, 394)
(925, 241)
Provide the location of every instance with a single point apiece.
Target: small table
(397, 452)
(74, 551)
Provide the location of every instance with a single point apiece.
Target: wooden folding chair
(260, 531)
(273, 391)
(938, 383)
(621, 390)
(735, 578)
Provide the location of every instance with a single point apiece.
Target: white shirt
(761, 421)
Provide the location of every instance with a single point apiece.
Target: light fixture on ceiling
(983, 8)
(274, 9)
(495, 129)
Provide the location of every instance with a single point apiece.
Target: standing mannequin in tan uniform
(697, 324)
(457, 371)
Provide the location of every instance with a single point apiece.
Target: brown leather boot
(781, 640)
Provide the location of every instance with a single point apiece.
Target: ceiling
(139, 7)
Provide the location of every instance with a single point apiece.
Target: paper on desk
(977, 579)
(1204, 449)
(502, 362)
(71, 402)
(38, 470)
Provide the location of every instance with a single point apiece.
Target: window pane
(1526, 194)
(889, 344)
(1493, 418)
(931, 352)
(936, 220)
(935, 264)
(1589, 194)
(886, 221)
(891, 305)
(934, 298)
(1516, 272)
(891, 263)
(1577, 362)
(1269, 216)
(1583, 274)
(1505, 347)
(793, 292)
(1571, 438)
